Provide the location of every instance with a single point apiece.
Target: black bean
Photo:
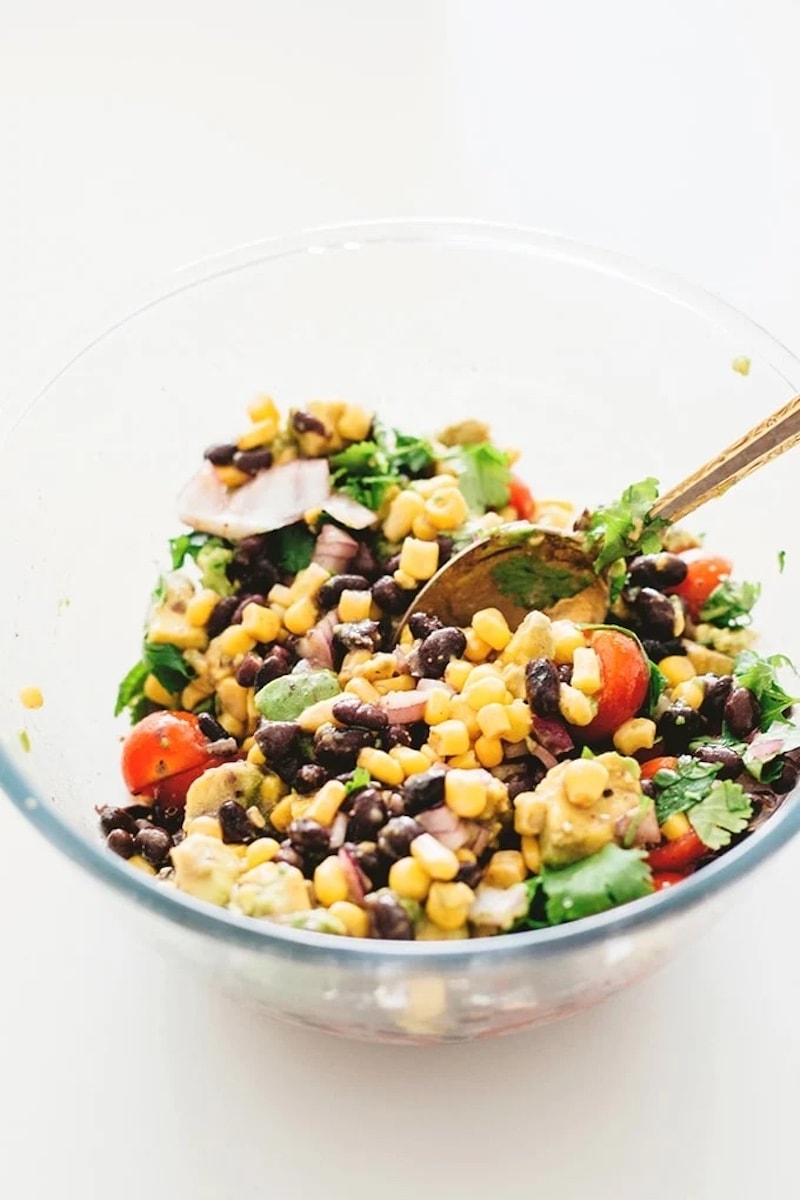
(565, 672)
(655, 612)
(305, 834)
(397, 835)
(121, 842)
(248, 598)
(657, 570)
(237, 828)
(396, 735)
(543, 687)
(221, 615)
(742, 712)
(717, 688)
(330, 593)
(358, 635)
(310, 778)
(392, 564)
(261, 576)
(361, 714)
(648, 788)
(525, 777)
(306, 422)
(678, 726)
(252, 461)
(287, 768)
(210, 727)
(389, 596)
(277, 663)
(369, 861)
(248, 669)
(365, 562)
(425, 790)
(656, 650)
(470, 874)
(730, 761)
(338, 749)
(143, 822)
(445, 545)
(277, 739)
(422, 624)
(115, 818)
(169, 817)
(289, 855)
(439, 647)
(787, 779)
(154, 845)
(367, 816)
(221, 453)
(388, 918)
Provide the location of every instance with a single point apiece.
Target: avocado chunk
(284, 699)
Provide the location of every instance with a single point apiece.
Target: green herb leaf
(367, 470)
(688, 784)
(763, 755)
(293, 547)
(658, 681)
(625, 527)
(724, 812)
(186, 545)
(131, 687)
(534, 584)
(484, 475)
(211, 554)
(361, 779)
(759, 674)
(611, 876)
(729, 605)
(168, 665)
(781, 561)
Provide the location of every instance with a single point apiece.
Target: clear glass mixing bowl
(601, 371)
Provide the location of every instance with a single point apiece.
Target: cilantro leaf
(293, 547)
(131, 687)
(724, 812)
(484, 475)
(781, 561)
(625, 527)
(688, 784)
(759, 674)
(729, 605)
(186, 545)
(658, 681)
(361, 779)
(408, 455)
(166, 662)
(211, 554)
(766, 747)
(611, 876)
(367, 470)
(534, 584)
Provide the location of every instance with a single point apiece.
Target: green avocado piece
(285, 698)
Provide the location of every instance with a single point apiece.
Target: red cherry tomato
(666, 879)
(171, 791)
(679, 854)
(625, 676)
(705, 571)
(160, 746)
(664, 762)
(520, 498)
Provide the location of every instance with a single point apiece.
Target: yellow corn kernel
(256, 816)
(262, 409)
(427, 487)
(438, 861)
(504, 869)
(152, 689)
(308, 582)
(301, 615)
(567, 638)
(194, 692)
(679, 624)
(586, 671)
(488, 751)
(497, 793)
(354, 606)
(255, 755)
(585, 780)
(354, 919)
(494, 720)
(232, 724)
(492, 627)
(691, 693)
(330, 881)
(409, 879)
(465, 792)
(167, 627)
(300, 806)
(575, 707)
(449, 737)
(201, 606)
(353, 664)
(260, 622)
(437, 706)
(405, 581)
(318, 714)
(358, 686)
(457, 672)
(205, 825)
(280, 594)
(419, 559)
(271, 789)
(253, 715)
(520, 721)
(530, 813)
(141, 864)
(400, 683)
(487, 670)
(230, 476)
(260, 851)
(381, 766)
(477, 650)
(429, 753)
(233, 641)
(676, 826)
(260, 433)
(281, 815)
(413, 762)
(233, 698)
(326, 803)
(354, 424)
(403, 509)
(448, 904)
(676, 668)
(491, 690)
(446, 508)
(421, 528)
(639, 733)
(459, 710)
(531, 853)
(464, 762)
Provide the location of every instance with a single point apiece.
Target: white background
(136, 139)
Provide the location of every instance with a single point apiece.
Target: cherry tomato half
(625, 676)
(170, 792)
(705, 571)
(520, 498)
(664, 762)
(679, 854)
(162, 745)
(666, 879)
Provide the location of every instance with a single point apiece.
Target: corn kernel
(413, 762)
(676, 668)
(493, 720)
(437, 706)
(262, 409)
(260, 622)
(326, 803)
(354, 424)
(232, 698)
(308, 582)
(195, 692)
(466, 856)
(586, 671)
(354, 919)
(400, 683)
(488, 751)
(281, 815)
(504, 869)
(585, 780)
(403, 509)
(491, 690)
(301, 615)
(520, 721)
(231, 724)
(449, 737)
(153, 690)
(531, 853)
(448, 904)
(405, 581)
(639, 733)
(530, 813)
(422, 528)
(167, 627)
(676, 826)
(205, 825)
(575, 707)
(381, 766)
(427, 487)
(330, 881)
(409, 879)
(271, 789)
(567, 638)
(260, 851)
(429, 753)
(141, 864)
(419, 559)
(280, 594)
(259, 434)
(465, 792)
(358, 686)
(487, 670)
(492, 627)
(459, 710)
(233, 641)
(438, 861)
(354, 606)
(256, 816)
(477, 650)
(446, 508)
(691, 692)
(255, 755)
(318, 714)
(457, 672)
(464, 762)
(231, 477)
(201, 606)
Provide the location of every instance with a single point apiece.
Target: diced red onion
(544, 756)
(357, 881)
(647, 832)
(552, 734)
(316, 646)
(338, 830)
(445, 826)
(428, 685)
(334, 549)
(480, 841)
(347, 510)
(403, 708)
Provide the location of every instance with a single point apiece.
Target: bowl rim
(220, 923)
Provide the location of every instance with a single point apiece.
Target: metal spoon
(520, 566)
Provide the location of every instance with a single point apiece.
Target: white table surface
(137, 138)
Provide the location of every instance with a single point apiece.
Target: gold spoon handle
(759, 445)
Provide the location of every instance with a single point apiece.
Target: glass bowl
(599, 370)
